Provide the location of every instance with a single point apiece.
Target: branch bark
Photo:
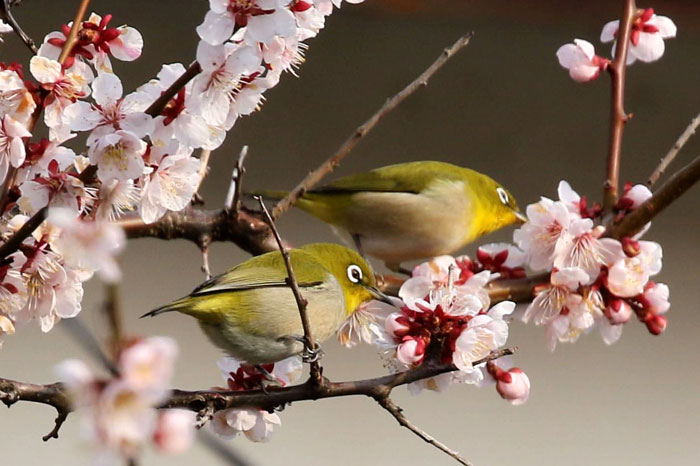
(6, 15)
(618, 117)
(672, 189)
(329, 165)
(673, 152)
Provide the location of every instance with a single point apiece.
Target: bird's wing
(267, 270)
(411, 177)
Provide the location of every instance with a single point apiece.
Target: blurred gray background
(504, 107)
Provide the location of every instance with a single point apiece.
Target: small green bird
(412, 210)
(250, 311)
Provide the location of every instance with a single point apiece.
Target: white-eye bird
(250, 311)
(412, 210)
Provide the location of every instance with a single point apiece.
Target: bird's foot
(311, 355)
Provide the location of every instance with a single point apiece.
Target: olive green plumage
(412, 210)
(250, 311)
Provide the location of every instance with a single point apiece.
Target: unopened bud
(630, 246)
(411, 351)
(618, 311)
(397, 325)
(513, 386)
(655, 324)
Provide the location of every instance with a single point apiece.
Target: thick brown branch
(245, 229)
(618, 117)
(6, 15)
(53, 395)
(310, 347)
(397, 412)
(671, 190)
(329, 165)
(668, 158)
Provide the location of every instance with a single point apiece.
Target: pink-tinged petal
(128, 46)
(568, 55)
(667, 28)
(44, 69)
(586, 48)
(175, 432)
(106, 89)
(14, 128)
(216, 28)
(264, 28)
(150, 212)
(609, 332)
(80, 116)
(650, 47)
(584, 73)
(609, 31)
(218, 6)
(4, 165)
(514, 387)
(17, 152)
(501, 309)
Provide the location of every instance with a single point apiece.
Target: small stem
(235, 188)
(618, 117)
(15, 241)
(114, 319)
(73, 34)
(329, 165)
(159, 104)
(309, 343)
(668, 158)
(397, 412)
(7, 16)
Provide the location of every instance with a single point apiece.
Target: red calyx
(630, 247)
(655, 324)
(298, 6)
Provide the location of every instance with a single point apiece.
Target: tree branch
(15, 241)
(6, 15)
(618, 117)
(310, 347)
(329, 165)
(668, 158)
(272, 397)
(73, 34)
(672, 189)
(397, 412)
(159, 104)
(235, 189)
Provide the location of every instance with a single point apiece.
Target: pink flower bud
(631, 247)
(618, 311)
(513, 385)
(397, 325)
(636, 195)
(411, 351)
(175, 431)
(655, 324)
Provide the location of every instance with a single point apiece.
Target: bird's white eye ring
(354, 273)
(502, 195)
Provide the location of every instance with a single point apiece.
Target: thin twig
(15, 241)
(73, 34)
(309, 342)
(397, 412)
(235, 188)
(204, 247)
(672, 189)
(618, 117)
(329, 165)
(114, 319)
(203, 169)
(668, 158)
(6, 15)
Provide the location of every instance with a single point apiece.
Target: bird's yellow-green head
(351, 270)
(494, 206)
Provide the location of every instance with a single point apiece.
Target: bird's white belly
(268, 340)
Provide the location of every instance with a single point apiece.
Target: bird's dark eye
(355, 273)
(503, 196)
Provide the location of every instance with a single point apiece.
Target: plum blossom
(170, 187)
(64, 88)
(223, 68)
(256, 424)
(512, 384)
(365, 324)
(89, 245)
(581, 61)
(96, 42)
(116, 198)
(262, 20)
(548, 222)
(118, 156)
(15, 99)
(119, 414)
(12, 150)
(109, 113)
(561, 295)
(647, 36)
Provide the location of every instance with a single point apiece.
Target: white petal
(667, 28)
(80, 116)
(128, 46)
(44, 69)
(216, 28)
(106, 89)
(609, 31)
(649, 48)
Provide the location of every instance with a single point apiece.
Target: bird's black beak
(379, 296)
